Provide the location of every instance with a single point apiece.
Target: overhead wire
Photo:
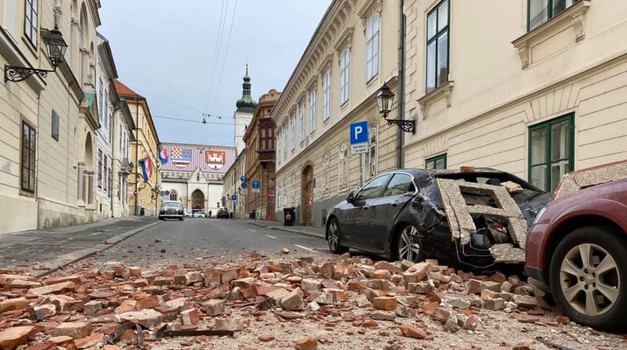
(226, 55)
(216, 56)
(195, 121)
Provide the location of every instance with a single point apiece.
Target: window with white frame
(312, 110)
(372, 45)
(301, 119)
(99, 168)
(540, 11)
(373, 151)
(345, 56)
(101, 113)
(285, 146)
(31, 21)
(437, 46)
(326, 95)
(293, 129)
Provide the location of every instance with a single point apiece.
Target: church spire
(246, 102)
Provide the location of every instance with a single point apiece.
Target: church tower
(244, 113)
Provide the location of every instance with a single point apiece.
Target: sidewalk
(41, 252)
(303, 230)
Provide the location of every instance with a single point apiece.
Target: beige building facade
(352, 54)
(144, 196)
(539, 92)
(233, 199)
(48, 123)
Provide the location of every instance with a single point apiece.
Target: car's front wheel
(407, 245)
(588, 278)
(334, 237)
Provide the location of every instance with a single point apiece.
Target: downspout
(112, 158)
(401, 84)
(136, 149)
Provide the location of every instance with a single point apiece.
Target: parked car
(401, 214)
(576, 252)
(223, 213)
(188, 214)
(171, 210)
(199, 214)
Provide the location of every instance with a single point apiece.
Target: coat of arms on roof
(181, 157)
(215, 159)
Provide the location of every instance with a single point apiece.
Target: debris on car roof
(576, 180)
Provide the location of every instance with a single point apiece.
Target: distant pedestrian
(209, 214)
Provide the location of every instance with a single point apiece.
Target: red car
(576, 250)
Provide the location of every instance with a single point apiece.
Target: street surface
(272, 288)
(220, 240)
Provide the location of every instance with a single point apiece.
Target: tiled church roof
(206, 157)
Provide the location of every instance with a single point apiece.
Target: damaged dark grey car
(476, 217)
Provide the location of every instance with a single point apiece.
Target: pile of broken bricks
(115, 307)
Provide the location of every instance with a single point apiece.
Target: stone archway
(306, 201)
(198, 200)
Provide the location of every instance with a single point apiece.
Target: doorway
(307, 195)
(198, 200)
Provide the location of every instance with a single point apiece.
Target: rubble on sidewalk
(108, 305)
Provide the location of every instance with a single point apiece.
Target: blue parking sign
(358, 132)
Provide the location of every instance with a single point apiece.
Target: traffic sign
(254, 184)
(234, 197)
(358, 137)
(243, 178)
(243, 185)
(358, 132)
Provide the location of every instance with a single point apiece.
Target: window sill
(573, 16)
(373, 81)
(27, 193)
(344, 104)
(444, 91)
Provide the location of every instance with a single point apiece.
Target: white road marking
(270, 236)
(309, 249)
(250, 229)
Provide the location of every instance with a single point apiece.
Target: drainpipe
(136, 150)
(112, 157)
(401, 84)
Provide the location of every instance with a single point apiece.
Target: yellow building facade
(143, 196)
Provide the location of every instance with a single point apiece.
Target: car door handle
(396, 203)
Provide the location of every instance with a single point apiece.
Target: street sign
(358, 135)
(254, 184)
(234, 197)
(243, 185)
(358, 132)
(243, 178)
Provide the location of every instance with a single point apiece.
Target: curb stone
(81, 254)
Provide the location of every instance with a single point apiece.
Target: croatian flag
(146, 166)
(163, 156)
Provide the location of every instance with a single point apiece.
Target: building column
(80, 193)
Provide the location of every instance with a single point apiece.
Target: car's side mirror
(351, 197)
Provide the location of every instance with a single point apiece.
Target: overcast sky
(174, 53)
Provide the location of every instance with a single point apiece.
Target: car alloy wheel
(408, 245)
(333, 237)
(588, 283)
(589, 279)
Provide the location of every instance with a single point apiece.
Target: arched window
(173, 195)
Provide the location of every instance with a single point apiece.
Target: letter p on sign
(358, 132)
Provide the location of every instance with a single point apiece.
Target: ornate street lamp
(385, 97)
(55, 49)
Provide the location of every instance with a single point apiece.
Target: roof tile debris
(119, 306)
